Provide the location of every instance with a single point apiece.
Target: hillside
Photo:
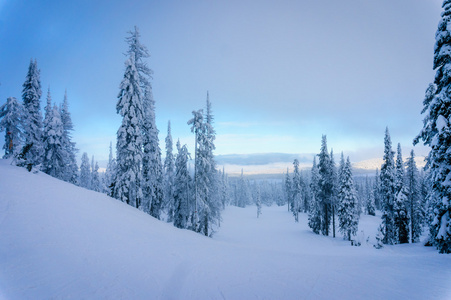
(59, 241)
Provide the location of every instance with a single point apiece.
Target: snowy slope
(64, 242)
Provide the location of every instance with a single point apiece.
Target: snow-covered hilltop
(65, 242)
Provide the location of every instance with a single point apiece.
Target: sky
(280, 74)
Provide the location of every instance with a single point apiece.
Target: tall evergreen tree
(54, 157)
(325, 187)
(414, 198)
(110, 173)
(370, 207)
(128, 185)
(347, 202)
(334, 196)
(288, 190)
(388, 192)
(70, 150)
(182, 186)
(85, 172)
(401, 214)
(296, 191)
(33, 151)
(12, 120)
(436, 133)
(314, 221)
(169, 170)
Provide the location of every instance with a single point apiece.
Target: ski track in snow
(58, 241)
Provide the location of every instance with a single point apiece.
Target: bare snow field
(59, 241)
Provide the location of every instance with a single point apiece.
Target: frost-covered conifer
(401, 216)
(288, 190)
(334, 196)
(95, 177)
(169, 170)
(85, 172)
(370, 207)
(128, 184)
(347, 202)
(325, 186)
(388, 192)
(11, 120)
(414, 199)
(314, 218)
(183, 206)
(54, 157)
(70, 150)
(296, 191)
(258, 202)
(33, 150)
(110, 174)
(436, 133)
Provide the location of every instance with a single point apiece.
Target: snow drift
(61, 241)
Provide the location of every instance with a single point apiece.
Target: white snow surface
(59, 241)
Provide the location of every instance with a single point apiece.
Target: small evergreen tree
(110, 174)
(69, 147)
(369, 194)
(85, 172)
(169, 169)
(296, 191)
(182, 186)
(11, 120)
(347, 207)
(414, 199)
(258, 202)
(95, 178)
(314, 221)
(53, 161)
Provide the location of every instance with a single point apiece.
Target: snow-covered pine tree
(334, 181)
(95, 176)
(401, 214)
(388, 192)
(288, 190)
(325, 186)
(71, 168)
(110, 174)
(85, 172)
(370, 207)
(11, 120)
(314, 218)
(414, 199)
(169, 170)
(128, 184)
(296, 191)
(183, 205)
(436, 133)
(48, 109)
(258, 201)
(377, 191)
(347, 202)
(33, 150)
(54, 157)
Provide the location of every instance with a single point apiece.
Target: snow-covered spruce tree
(85, 172)
(388, 192)
(377, 191)
(225, 193)
(436, 133)
(54, 156)
(314, 218)
(296, 191)
(169, 171)
(288, 190)
(414, 199)
(11, 120)
(400, 206)
(347, 202)
(110, 174)
(33, 150)
(334, 181)
(70, 150)
(128, 184)
(182, 189)
(258, 201)
(401, 217)
(325, 186)
(370, 207)
(95, 177)
(207, 206)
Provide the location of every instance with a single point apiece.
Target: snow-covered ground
(58, 241)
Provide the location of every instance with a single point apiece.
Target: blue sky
(279, 73)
